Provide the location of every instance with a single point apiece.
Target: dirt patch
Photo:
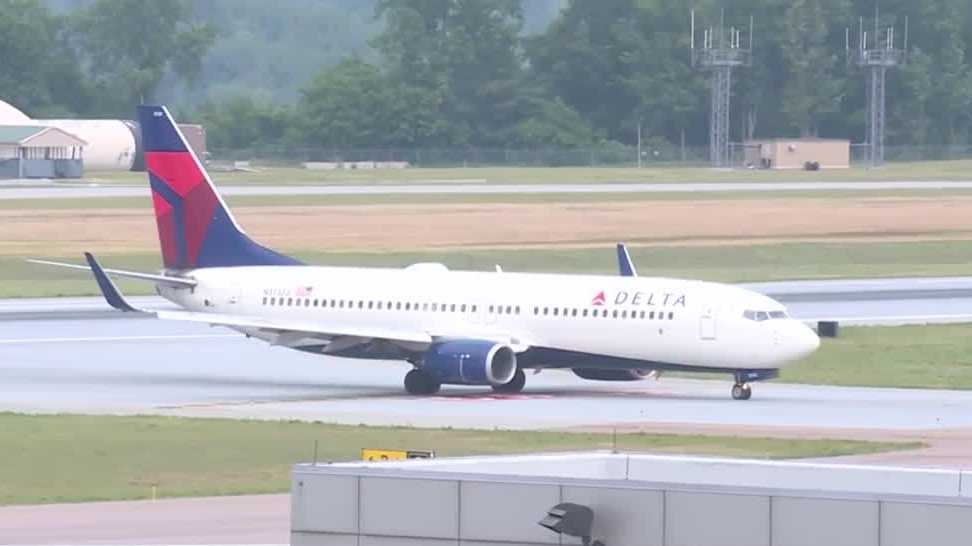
(413, 227)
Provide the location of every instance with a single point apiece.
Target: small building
(32, 151)
(798, 154)
(634, 499)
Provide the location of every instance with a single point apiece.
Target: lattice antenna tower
(720, 52)
(876, 52)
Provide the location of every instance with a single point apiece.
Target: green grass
(717, 263)
(919, 170)
(66, 458)
(934, 357)
(473, 198)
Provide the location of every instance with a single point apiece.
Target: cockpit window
(760, 316)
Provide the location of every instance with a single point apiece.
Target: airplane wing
(289, 332)
(309, 328)
(625, 264)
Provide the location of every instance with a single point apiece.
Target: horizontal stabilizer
(158, 279)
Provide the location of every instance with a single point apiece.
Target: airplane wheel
(419, 382)
(741, 392)
(515, 385)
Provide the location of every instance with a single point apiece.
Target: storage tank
(112, 143)
(12, 116)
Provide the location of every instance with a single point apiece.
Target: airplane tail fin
(196, 228)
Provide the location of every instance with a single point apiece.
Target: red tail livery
(196, 229)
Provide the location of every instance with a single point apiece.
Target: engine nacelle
(595, 374)
(470, 362)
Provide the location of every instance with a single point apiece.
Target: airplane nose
(803, 341)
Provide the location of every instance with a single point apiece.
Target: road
(92, 191)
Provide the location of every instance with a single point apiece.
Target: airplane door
(707, 325)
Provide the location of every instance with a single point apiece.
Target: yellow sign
(393, 455)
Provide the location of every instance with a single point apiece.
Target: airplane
(453, 327)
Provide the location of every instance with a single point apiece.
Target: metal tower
(876, 58)
(720, 53)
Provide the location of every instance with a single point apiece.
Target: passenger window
(452, 308)
(614, 314)
(462, 308)
(671, 315)
(473, 308)
(585, 312)
(536, 310)
(290, 302)
(517, 309)
(624, 314)
(556, 312)
(434, 306)
(360, 304)
(509, 310)
(642, 314)
(408, 307)
(545, 311)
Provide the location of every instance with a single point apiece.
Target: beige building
(808, 154)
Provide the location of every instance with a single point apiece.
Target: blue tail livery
(196, 228)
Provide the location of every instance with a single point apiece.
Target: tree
(464, 53)
(354, 105)
(129, 46)
(38, 72)
(813, 85)
(245, 122)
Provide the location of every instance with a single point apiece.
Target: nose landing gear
(741, 391)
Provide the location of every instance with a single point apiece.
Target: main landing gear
(515, 385)
(420, 382)
(741, 391)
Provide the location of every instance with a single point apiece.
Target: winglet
(108, 288)
(625, 264)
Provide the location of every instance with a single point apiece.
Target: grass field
(488, 198)
(934, 357)
(65, 458)
(919, 170)
(719, 263)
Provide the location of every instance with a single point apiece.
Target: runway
(78, 355)
(129, 366)
(94, 191)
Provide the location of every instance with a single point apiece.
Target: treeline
(467, 73)
(461, 73)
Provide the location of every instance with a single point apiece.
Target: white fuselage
(687, 323)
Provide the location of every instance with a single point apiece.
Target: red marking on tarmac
(489, 397)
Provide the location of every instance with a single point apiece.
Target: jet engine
(595, 374)
(470, 362)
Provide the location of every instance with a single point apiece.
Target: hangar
(649, 500)
(31, 151)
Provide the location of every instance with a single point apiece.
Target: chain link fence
(608, 156)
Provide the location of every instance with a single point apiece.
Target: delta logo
(646, 299)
